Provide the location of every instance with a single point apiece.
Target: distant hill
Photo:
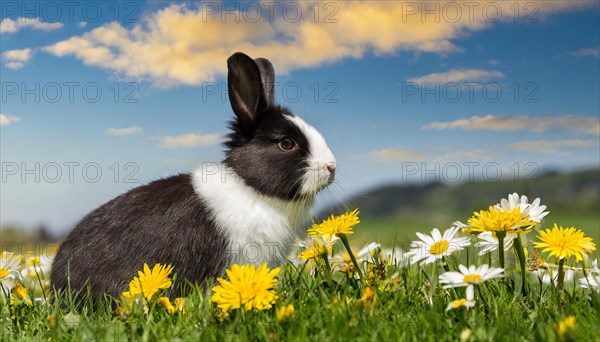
(573, 193)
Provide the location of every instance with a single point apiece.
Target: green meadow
(405, 306)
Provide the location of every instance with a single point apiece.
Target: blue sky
(361, 78)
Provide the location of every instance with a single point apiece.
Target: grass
(396, 313)
(406, 306)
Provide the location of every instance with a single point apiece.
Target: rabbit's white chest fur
(260, 228)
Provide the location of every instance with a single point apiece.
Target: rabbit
(247, 209)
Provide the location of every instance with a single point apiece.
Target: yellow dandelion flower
(20, 294)
(336, 225)
(167, 304)
(121, 311)
(149, 282)
(129, 302)
(247, 286)
(498, 220)
(51, 321)
(367, 298)
(565, 328)
(33, 261)
(347, 266)
(313, 252)
(180, 304)
(565, 242)
(125, 304)
(285, 313)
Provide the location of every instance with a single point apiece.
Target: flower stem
(347, 245)
(500, 236)
(327, 269)
(482, 297)
(521, 255)
(445, 265)
(560, 282)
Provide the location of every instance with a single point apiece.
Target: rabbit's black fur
(161, 222)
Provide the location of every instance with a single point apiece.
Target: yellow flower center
(439, 247)
(33, 261)
(458, 303)
(472, 279)
(4, 273)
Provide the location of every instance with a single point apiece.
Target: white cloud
(546, 146)
(16, 59)
(6, 120)
(458, 75)
(574, 124)
(441, 155)
(398, 154)
(594, 52)
(189, 140)
(452, 157)
(8, 25)
(184, 45)
(125, 131)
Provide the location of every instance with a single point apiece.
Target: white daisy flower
(37, 271)
(393, 255)
(436, 246)
(470, 276)
(592, 281)
(467, 302)
(9, 270)
(366, 253)
(460, 225)
(534, 210)
(489, 242)
(594, 268)
(458, 303)
(544, 275)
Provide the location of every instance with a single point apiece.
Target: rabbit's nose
(331, 167)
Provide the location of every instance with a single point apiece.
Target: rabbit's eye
(287, 143)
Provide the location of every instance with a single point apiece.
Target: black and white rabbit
(245, 210)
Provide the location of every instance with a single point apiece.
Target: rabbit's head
(273, 151)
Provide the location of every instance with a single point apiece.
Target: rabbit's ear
(267, 75)
(245, 88)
